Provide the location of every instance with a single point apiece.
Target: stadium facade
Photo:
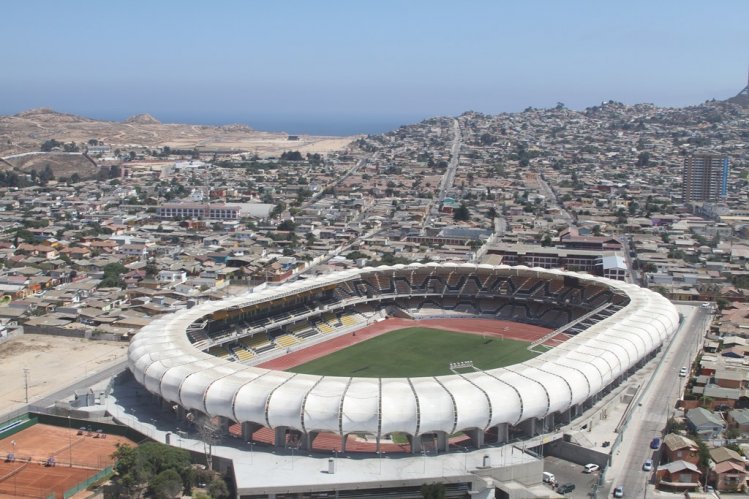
(614, 328)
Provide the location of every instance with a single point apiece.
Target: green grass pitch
(417, 351)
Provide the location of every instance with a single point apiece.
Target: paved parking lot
(567, 472)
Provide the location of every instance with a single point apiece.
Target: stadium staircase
(580, 324)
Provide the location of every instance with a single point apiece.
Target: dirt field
(509, 330)
(26, 131)
(28, 477)
(52, 362)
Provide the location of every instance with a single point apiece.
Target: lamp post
(26, 382)
(70, 444)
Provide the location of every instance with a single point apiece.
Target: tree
(461, 213)
(287, 225)
(166, 485)
(113, 276)
(643, 159)
(218, 489)
(151, 269)
(50, 144)
(127, 467)
(278, 209)
(46, 175)
(433, 491)
(292, 156)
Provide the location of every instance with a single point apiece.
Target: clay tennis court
(488, 327)
(28, 476)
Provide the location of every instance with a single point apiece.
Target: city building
(705, 178)
(198, 210)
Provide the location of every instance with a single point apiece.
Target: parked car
(683, 372)
(566, 488)
(655, 443)
(647, 465)
(619, 491)
(591, 468)
(549, 477)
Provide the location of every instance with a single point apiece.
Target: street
(657, 403)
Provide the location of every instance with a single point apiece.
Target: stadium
(202, 363)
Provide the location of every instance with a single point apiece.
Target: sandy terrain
(53, 362)
(26, 131)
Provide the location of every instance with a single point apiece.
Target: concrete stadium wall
(575, 453)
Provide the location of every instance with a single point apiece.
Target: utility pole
(26, 382)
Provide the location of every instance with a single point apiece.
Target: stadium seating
(220, 351)
(198, 335)
(296, 328)
(307, 333)
(515, 296)
(258, 343)
(324, 327)
(241, 353)
(350, 319)
(286, 341)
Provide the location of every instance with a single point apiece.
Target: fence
(105, 473)
(110, 428)
(15, 425)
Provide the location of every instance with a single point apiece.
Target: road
(452, 167)
(551, 198)
(656, 404)
(349, 172)
(449, 176)
(634, 275)
(37, 153)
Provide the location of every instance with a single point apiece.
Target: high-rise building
(705, 178)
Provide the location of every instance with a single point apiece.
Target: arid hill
(26, 131)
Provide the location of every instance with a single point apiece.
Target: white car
(619, 491)
(683, 372)
(591, 468)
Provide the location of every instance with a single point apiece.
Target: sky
(286, 64)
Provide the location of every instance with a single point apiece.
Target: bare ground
(53, 362)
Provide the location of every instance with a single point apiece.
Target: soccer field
(415, 352)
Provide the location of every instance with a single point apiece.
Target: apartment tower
(705, 178)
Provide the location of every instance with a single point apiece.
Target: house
(171, 276)
(679, 448)
(721, 454)
(728, 474)
(705, 423)
(719, 396)
(677, 476)
(738, 419)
